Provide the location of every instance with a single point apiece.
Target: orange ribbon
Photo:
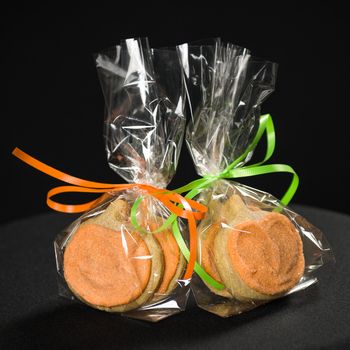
(168, 198)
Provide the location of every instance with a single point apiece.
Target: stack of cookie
(257, 255)
(112, 267)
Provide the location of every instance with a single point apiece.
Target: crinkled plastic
(256, 249)
(102, 259)
(144, 95)
(226, 86)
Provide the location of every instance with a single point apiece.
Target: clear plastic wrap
(254, 247)
(102, 259)
(226, 86)
(144, 95)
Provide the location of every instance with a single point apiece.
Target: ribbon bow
(168, 198)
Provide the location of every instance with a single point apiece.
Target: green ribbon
(233, 171)
(135, 223)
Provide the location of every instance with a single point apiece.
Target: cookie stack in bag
(256, 254)
(103, 259)
(251, 247)
(110, 266)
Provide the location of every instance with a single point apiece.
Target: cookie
(221, 214)
(207, 234)
(259, 255)
(110, 266)
(174, 262)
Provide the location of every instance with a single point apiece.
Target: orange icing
(107, 267)
(267, 254)
(207, 255)
(171, 253)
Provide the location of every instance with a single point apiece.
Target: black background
(53, 106)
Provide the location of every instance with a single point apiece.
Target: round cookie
(99, 270)
(174, 262)
(206, 242)
(221, 214)
(259, 259)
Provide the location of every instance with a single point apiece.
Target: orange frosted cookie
(257, 255)
(260, 259)
(207, 258)
(174, 262)
(99, 267)
(207, 238)
(290, 247)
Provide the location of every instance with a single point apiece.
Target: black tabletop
(32, 315)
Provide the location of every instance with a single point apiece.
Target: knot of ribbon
(178, 205)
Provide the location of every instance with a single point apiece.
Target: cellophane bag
(254, 247)
(102, 260)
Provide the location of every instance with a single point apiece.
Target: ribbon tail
(269, 169)
(197, 268)
(57, 174)
(80, 185)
